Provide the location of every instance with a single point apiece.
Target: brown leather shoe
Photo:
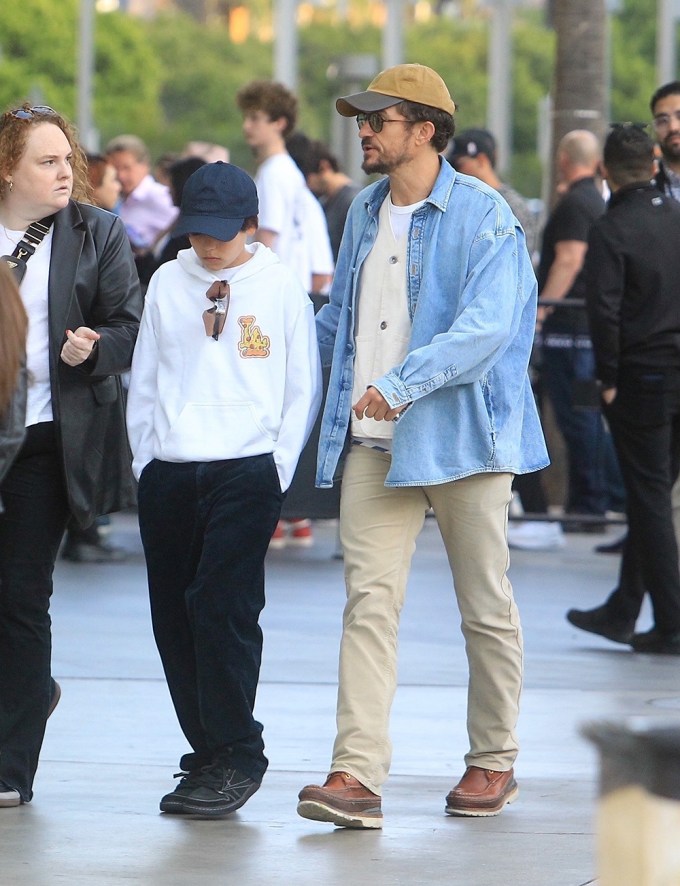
(342, 800)
(482, 792)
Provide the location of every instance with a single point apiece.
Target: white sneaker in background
(534, 535)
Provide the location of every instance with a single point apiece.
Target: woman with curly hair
(81, 293)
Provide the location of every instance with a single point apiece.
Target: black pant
(205, 529)
(645, 424)
(31, 527)
(592, 471)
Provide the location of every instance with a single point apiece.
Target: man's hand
(79, 345)
(374, 405)
(609, 395)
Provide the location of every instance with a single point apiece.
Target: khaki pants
(378, 530)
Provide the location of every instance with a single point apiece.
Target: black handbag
(25, 248)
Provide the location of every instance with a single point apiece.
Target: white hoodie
(255, 390)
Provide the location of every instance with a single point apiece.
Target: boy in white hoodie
(224, 389)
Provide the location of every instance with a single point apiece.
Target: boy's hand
(374, 405)
(79, 345)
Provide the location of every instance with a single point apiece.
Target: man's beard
(671, 152)
(384, 165)
(380, 167)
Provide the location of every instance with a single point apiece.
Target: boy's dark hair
(320, 151)
(444, 126)
(252, 221)
(298, 146)
(273, 98)
(672, 88)
(179, 173)
(628, 154)
(308, 154)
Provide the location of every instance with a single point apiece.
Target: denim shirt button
(383, 325)
(393, 259)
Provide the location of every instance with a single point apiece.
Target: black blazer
(13, 426)
(93, 282)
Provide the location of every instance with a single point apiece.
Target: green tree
(172, 79)
(202, 72)
(38, 62)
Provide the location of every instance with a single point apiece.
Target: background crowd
(85, 237)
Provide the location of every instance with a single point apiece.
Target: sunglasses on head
(30, 113)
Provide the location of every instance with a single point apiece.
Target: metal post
(88, 135)
(393, 34)
(286, 43)
(499, 101)
(353, 73)
(665, 41)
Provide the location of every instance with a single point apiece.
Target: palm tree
(580, 88)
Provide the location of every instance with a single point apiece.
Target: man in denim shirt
(428, 330)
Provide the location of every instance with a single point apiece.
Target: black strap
(35, 234)
(33, 237)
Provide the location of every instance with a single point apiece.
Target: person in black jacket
(82, 296)
(567, 368)
(632, 270)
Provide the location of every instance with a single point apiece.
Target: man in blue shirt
(429, 331)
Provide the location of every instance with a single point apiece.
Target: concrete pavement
(113, 745)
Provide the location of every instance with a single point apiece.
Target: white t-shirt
(34, 296)
(400, 217)
(318, 239)
(281, 194)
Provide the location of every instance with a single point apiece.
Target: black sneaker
(657, 643)
(8, 796)
(210, 791)
(599, 621)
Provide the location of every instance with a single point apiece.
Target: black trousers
(206, 528)
(31, 528)
(645, 425)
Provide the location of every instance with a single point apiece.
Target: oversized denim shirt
(472, 300)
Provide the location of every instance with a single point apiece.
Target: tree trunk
(580, 90)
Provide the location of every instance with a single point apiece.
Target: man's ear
(426, 130)
(485, 160)
(281, 124)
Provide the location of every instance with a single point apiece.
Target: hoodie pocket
(205, 431)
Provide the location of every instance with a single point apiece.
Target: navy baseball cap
(471, 143)
(216, 200)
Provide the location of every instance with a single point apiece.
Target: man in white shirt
(291, 221)
(287, 220)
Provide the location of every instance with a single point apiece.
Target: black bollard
(639, 808)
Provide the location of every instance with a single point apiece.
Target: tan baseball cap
(413, 83)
